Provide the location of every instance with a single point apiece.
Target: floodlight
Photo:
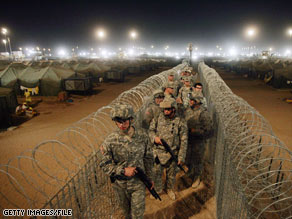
(4, 31)
(290, 32)
(133, 34)
(101, 34)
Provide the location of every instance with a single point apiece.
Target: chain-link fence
(64, 173)
(253, 168)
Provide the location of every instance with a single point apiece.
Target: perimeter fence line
(253, 167)
(64, 173)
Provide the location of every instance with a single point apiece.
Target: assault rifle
(168, 149)
(143, 177)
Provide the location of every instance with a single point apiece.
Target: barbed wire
(252, 166)
(64, 172)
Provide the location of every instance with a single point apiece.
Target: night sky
(174, 23)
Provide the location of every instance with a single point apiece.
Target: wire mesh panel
(253, 168)
(64, 173)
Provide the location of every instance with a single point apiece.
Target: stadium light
(101, 33)
(250, 33)
(233, 51)
(133, 34)
(62, 53)
(289, 32)
(4, 31)
(290, 35)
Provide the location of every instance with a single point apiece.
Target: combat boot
(152, 197)
(196, 183)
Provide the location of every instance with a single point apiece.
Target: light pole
(290, 35)
(133, 35)
(191, 50)
(101, 34)
(250, 33)
(4, 42)
(5, 32)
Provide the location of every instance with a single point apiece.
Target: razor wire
(253, 168)
(64, 173)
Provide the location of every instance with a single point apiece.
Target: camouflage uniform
(199, 120)
(122, 150)
(152, 110)
(184, 94)
(174, 132)
(203, 100)
(175, 84)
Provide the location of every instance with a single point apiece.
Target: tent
(48, 79)
(282, 78)
(261, 68)
(88, 69)
(8, 77)
(3, 64)
(19, 66)
(8, 103)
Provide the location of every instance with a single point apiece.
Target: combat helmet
(188, 78)
(168, 103)
(122, 112)
(171, 73)
(170, 85)
(158, 93)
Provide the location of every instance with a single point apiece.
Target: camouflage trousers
(131, 201)
(171, 171)
(194, 157)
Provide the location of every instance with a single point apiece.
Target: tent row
(49, 76)
(48, 80)
(276, 72)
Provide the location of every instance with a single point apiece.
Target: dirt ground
(55, 117)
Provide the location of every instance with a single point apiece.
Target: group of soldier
(177, 116)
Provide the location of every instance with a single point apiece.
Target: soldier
(123, 151)
(169, 90)
(198, 87)
(199, 92)
(171, 79)
(153, 109)
(183, 75)
(200, 128)
(173, 129)
(185, 91)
